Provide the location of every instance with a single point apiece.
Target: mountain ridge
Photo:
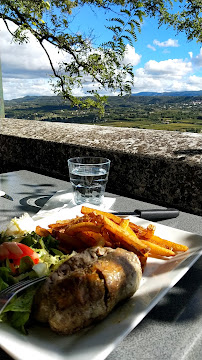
(172, 93)
(144, 93)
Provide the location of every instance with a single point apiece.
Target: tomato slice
(16, 251)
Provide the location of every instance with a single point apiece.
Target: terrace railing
(160, 167)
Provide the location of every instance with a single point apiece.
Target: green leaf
(6, 277)
(50, 242)
(3, 284)
(18, 311)
(18, 320)
(26, 264)
(23, 302)
(5, 272)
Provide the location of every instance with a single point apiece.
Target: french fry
(42, 232)
(83, 226)
(130, 231)
(91, 239)
(87, 210)
(124, 235)
(69, 243)
(100, 228)
(107, 238)
(129, 246)
(158, 250)
(168, 244)
(56, 226)
(60, 224)
(136, 228)
(63, 222)
(68, 222)
(141, 232)
(124, 223)
(146, 233)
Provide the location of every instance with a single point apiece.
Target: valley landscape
(180, 111)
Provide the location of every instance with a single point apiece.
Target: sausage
(86, 287)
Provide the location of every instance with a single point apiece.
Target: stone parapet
(160, 167)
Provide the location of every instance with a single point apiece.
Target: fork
(7, 294)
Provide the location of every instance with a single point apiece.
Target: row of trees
(49, 22)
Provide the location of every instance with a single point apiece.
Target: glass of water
(88, 176)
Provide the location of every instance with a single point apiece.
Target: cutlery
(152, 214)
(6, 196)
(7, 294)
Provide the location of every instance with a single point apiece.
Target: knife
(4, 195)
(152, 214)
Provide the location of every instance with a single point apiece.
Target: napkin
(62, 201)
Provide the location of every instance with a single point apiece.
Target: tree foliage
(50, 22)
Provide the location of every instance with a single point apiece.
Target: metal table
(173, 329)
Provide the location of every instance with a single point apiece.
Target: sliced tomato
(16, 251)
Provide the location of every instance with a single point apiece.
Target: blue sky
(162, 60)
(149, 38)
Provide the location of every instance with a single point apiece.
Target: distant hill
(174, 111)
(176, 93)
(58, 99)
(35, 98)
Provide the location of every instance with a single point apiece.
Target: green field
(174, 113)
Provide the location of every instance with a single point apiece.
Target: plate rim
(191, 259)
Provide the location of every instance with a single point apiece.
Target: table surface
(173, 329)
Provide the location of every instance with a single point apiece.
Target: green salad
(25, 255)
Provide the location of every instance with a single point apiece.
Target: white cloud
(26, 70)
(151, 47)
(195, 81)
(25, 67)
(147, 83)
(166, 76)
(131, 57)
(197, 61)
(16, 88)
(167, 43)
(164, 44)
(170, 67)
(27, 60)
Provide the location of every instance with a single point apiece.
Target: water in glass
(88, 176)
(88, 184)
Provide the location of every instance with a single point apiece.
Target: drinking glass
(88, 176)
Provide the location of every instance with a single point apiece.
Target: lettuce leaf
(18, 311)
(6, 277)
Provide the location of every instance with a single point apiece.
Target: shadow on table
(36, 198)
(181, 303)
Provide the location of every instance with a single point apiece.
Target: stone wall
(159, 167)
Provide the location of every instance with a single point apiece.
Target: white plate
(97, 342)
